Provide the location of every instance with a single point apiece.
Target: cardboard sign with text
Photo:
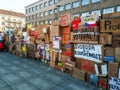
(89, 51)
(110, 25)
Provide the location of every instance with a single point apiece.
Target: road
(17, 73)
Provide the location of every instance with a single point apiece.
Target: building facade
(44, 11)
(11, 20)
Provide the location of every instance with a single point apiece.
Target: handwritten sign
(88, 51)
(114, 83)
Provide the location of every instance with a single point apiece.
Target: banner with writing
(114, 83)
(88, 51)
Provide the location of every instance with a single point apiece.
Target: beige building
(44, 11)
(11, 20)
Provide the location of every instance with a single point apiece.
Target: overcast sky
(15, 5)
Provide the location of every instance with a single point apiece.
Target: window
(36, 7)
(61, 8)
(26, 11)
(41, 14)
(29, 17)
(55, 1)
(77, 14)
(46, 13)
(97, 12)
(94, 1)
(41, 6)
(108, 10)
(3, 17)
(37, 15)
(67, 6)
(33, 8)
(50, 2)
(85, 13)
(32, 16)
(50, 21)
(85, 2)
(3, 23)
(46, 22)
(45, 4)
(55, 10)
(50, 12)
(76, 4)
(118, 9)
(30, 10)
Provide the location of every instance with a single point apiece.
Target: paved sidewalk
(17, 73)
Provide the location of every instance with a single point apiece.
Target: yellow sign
(29, 26)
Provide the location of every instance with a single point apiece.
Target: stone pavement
(17, 73)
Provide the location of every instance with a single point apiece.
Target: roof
(12, 13)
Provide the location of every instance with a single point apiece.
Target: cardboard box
(109, 51)
(113, 69)
(88, 77)
(103, 83)
(116, 40)
(55, 23)
(110, 25)
(87, 66)
(78, 63)
(79, 74)
(117, 54)
(105, 39)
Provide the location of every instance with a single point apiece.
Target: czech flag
(91, 23)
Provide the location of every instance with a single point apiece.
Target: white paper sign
(46, 47)
(56, 44)
(44, 30)
(114, 83)
(88, 51)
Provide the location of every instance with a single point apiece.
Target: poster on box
(56, 45)
(46, 47)
(114, 83)
(90, 20)
(89, 51)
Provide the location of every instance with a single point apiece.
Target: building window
(94, 1)
(76, 4)
(41, 6)
(37, 15)
(67, 6)
(46, 22)
(50, 2)
(55, 1)
(118, 9)
(50, 21)
(2, 17)
(46, 13)
(51, 12)
(45, 4)
(26, 11)
(85, 2)
(41, 14)
(77, 14)
(3, 23)
(33, 8)
(36, 7)
(61, 8)
(32, 16)
(96, 12)
(85, 13)
(29, 17)
(108, 10)
(30, 10)
(55, 10)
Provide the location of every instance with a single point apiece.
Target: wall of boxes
(88, 48)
